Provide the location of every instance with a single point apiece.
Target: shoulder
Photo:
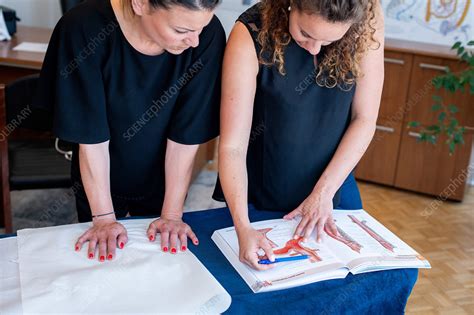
(88, 19)
(252, 18)
(212, 40)
(213, 32)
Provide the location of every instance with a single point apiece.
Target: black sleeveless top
(297, 126)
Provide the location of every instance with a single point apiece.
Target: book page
(285, 274)
(364, 243)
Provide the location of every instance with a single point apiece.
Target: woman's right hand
(105, 234)
(250, 243)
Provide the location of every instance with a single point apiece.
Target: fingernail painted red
(91, 256)
(77, 248)
(121, 245)
(173, 250)
(110, 257)
(183, 248)
(102, 258)
(151, 237)
(165, 249)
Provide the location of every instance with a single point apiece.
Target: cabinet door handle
(394, 61)
(385, 129)
(414, 134)
(434, 67)
(469, 129)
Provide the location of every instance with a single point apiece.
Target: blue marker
(283, 259)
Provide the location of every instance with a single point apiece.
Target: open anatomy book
(363, 245)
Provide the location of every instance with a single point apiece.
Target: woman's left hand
(171, 231)
(316, 212)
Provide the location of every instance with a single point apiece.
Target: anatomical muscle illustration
(372, 233)
(264, 232)
(297, 248)
(344, 238)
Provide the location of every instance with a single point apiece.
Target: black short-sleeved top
(100, 88)
(297, 126)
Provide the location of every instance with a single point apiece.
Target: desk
(16, 64)
(383, 292)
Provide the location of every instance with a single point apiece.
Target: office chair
(28, 155)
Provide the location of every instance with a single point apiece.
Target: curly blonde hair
(341, 63)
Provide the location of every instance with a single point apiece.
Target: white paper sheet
(10, 296)
(32, 47)
(141, 279)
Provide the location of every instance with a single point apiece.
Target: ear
(139, 7)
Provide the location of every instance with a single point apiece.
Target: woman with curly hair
(302, 82)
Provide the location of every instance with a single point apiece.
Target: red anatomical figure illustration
(344, 238)
(372, 233)
(298, 249)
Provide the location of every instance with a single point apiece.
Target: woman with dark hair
(136, 84)
(302, 82)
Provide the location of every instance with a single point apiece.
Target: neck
(133, 30)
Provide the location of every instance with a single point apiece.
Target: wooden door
(379, 163)
(422, 90)
(428, 168)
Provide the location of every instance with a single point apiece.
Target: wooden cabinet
(429, 168)
(422, 90)
(395, 90)
(379, 163)
(395, 157)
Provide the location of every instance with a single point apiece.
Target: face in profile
(312, 31)
(174, 29)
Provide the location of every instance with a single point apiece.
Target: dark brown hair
(166, 4)
(340, 65)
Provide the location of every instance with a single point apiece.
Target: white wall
(46, 13)
(39, 13)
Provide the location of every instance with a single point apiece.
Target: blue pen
(283, 259)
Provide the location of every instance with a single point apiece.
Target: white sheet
(141, 279)
(10, 296)
(31, 47)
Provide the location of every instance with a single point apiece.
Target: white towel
(141, 279)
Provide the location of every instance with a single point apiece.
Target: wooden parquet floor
(444, 234)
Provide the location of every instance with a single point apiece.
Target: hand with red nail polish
(173, 231)
(104, 235)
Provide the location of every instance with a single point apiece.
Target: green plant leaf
(456, 45)
(453, 108)
(436, 107)
(437, 98)
(413, 124)
(452, 147)
(458, 138)
(453, 123)
(434, 128)
(441, 117)
(470, 43)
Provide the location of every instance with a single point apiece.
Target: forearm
(94, 163)
(234, 182)
(349, 152)
(179, 162)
